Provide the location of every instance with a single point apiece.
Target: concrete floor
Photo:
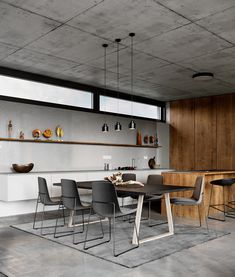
(23, 254)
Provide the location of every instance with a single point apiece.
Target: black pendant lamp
(118, 126)
(132, 124)
(105, 127)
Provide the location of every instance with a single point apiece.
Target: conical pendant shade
(105, 128)
(132, 125)
(118, 127)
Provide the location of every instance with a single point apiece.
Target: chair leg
(149, 212)
(208, 213)
(35, 214)
(84, 247)
(57, 218)
(75, 213)
(205, 216)
(127, 250)
(199, 216)
(42, 219)
(215, 206)
(83, 228)
(69, 232)
(230, 205)
(224, 204)
(114, 252)
(101, 237)
(63, 216)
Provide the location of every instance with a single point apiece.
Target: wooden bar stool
(227, 209)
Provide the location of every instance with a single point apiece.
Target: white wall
(81, 126)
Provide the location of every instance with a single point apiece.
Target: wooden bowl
(23, 168)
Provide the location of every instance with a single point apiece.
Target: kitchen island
(187, 178)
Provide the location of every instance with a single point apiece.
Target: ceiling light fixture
(132, 124)
(105, 127)
(203, 76)
(118, 126)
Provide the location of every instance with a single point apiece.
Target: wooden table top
(136, 189)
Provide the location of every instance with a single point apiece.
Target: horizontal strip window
(36, 91)
(126, 107)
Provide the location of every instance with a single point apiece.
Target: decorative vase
(152, 163)
(146, 139)
(151, 139)
(139, 138)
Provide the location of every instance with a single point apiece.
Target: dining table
(141, 192)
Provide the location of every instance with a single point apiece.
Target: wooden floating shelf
(78, 142)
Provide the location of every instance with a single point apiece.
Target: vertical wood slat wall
(202, 133)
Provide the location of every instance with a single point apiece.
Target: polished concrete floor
(23, 254)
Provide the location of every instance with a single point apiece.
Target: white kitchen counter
(18, 191)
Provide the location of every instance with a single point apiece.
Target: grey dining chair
(126, 177)
(195, 200)
(105, 205)
(70, 201)
(44, 199)
(152, 180)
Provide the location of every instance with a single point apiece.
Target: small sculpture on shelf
(10, 129)
(21, 135)
(156, 141)
(59, 132)
(36, 133)
(47, 133)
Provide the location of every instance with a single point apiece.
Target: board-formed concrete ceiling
(174, 39)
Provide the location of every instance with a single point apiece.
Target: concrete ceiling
(174, 39)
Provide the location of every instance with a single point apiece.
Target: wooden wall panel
(233, 131)
(174, 143)
(224, 131)
(205, 133)
(182, 134)
(202, 133)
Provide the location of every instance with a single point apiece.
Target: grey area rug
(185, 237)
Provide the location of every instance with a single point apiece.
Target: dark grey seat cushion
(183, 201)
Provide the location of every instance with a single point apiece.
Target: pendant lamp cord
(105, 74)
(132, 70)
(105, 65)
(118, 77)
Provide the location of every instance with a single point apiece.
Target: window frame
(96, 92)
(131, 113)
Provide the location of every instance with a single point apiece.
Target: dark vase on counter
(152, 163)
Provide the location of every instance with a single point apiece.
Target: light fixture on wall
(118, 126)
(105, 127)
(203, 76)
(132, 124)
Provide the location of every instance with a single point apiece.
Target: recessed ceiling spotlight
(203, 76)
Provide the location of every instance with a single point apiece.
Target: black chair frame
(226, 209)
(110, 231)
(44, 196)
